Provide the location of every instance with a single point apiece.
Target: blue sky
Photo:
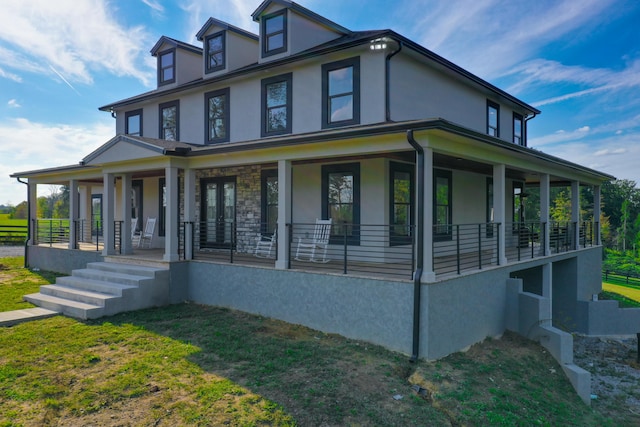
(577, 61)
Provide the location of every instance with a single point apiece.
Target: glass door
(218, 212)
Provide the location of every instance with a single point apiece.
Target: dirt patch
(615, 373)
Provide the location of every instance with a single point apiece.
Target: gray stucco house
(249, 139)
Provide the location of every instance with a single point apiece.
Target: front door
(218, 212)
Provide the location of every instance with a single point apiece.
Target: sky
(576, 61)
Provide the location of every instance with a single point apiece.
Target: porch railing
(463, 247)
(51, 231)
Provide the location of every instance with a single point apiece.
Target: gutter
(387, 81)
(26, 242)
(526, 128)
(417, 286)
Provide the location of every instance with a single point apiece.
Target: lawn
(189, 364)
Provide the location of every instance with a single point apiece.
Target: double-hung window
(217, 115)
(341, 201)
(215, 52)
(401, 202)
(341, 93)
(166, 67)
(276, 105)
(493, 119)
(269, 205)
(274, 33)
(170, 121)
(442, 210)
(133, 122)
(518, 129)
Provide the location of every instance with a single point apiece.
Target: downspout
(417, 287)
(526, 129)
(387, 81)
(26, 242)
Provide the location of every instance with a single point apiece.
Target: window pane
(133, 125)
(215, 60)
(341, 81)
(167, 74)
(442, 191)
(340, 187)
(166, 60)
(277, 119)
(216, 107)
(493, 117)
(215, 44)
(341, 108)
(169, 123)
(275, 24)
(277, 94)
(401, 187)
(275, 42)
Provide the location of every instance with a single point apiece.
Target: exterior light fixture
(378, 44)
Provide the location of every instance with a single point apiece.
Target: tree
(20, 211)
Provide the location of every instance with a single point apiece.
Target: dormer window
(215, 52)
(167, 67)
(274, 33)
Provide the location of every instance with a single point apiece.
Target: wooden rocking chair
(309, 251)
(265, 245)
(146, 235)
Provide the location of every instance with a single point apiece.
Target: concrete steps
(104, 289)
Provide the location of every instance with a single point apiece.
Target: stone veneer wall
(248, 194)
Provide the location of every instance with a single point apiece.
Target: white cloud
(10, 76)
(34, 146)
(234, 12)
(13, 103)
(76, 38)
(560, 136)
(154, 5)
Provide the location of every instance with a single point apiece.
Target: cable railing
(462, 247)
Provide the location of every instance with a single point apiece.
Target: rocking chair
(265, 245)
(309, 251)
(146, 235)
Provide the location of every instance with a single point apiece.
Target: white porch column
(171, 218)
(73, 214)
(108, 209)
(575, 212)
(86, 223)
(284, 212)
(125, 205)
(189, 211)
(596, 214)
(499, 208)
(428, 275)
(545, 184)
(32, 215)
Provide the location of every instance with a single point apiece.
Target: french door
(218, 211)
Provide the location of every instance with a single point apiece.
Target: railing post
(344, 267)
(458, 247)
(233, 231)
(480, 246)
(290, 237)
(531, 238)
(50, 233)
(498, 243)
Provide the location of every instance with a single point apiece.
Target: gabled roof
(159, 146)
(302, 11)
(226, 26)
(175, 43)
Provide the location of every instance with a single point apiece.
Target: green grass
(624, 301)
(189, 364)
(16, 281)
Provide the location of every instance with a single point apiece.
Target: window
(517, 129)
(442, 213)
(269, 201)
(162, 207)
(166, 67)
(276, 105)
(170, 121)
(341, 201)
(217, 115)
(401, 203)
(493, 119)
(518, 203)
(490, 212)
(274, 33)
(215, 52)
(341, 93)
(133, 122)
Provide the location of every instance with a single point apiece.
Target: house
(249, 139)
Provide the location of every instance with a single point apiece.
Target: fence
(13, 235)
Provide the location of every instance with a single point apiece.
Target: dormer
(286, 28)
(226, 47)
(178, 62)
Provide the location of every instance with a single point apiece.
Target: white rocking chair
(265, 245)
(308, 251)
(146, 235)
(135, 238)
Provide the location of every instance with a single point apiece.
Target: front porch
(379, 251)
